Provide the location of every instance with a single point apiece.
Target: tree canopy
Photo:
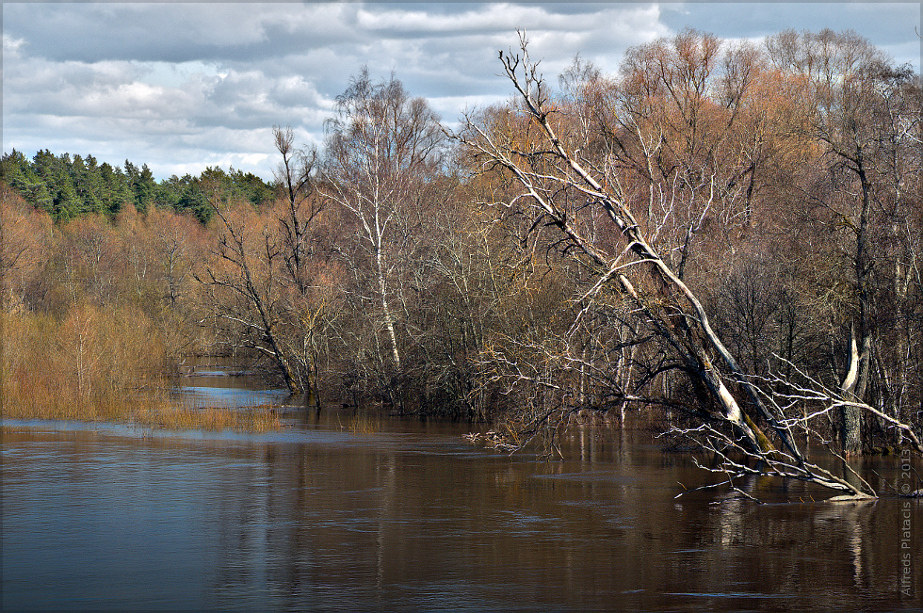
(66, 187)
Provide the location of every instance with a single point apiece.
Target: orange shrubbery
(100, 365)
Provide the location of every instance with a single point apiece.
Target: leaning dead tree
(745, 427)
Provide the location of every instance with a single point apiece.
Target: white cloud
(11, 46)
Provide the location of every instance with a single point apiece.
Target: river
(404, 516)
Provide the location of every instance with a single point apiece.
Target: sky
(184, 86)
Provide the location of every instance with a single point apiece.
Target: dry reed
(361, 424)
(101, 365)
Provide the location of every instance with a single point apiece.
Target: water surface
(411, 517)
(218, 383)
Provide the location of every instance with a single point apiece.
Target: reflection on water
(211, 384)
(412, 518)
(223, 397)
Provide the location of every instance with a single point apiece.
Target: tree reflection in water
(413, 518)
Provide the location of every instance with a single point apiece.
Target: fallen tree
(746, 426)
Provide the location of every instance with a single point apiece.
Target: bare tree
(858, 113)
(563, 187)
(25, 236)
(382, 146)
(296, 176)
(244, 292)
(262, 292)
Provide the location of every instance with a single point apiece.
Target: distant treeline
(66, 187)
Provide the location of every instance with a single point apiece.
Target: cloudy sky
(183, 86)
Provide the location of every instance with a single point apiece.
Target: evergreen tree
(115, 189)
(251, 187)
(87, 184)
(19, 174)
(66, 187)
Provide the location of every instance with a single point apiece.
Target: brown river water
(411, 517)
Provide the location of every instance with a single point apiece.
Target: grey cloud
(186, 85)
(173, 32)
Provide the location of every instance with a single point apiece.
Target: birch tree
(382, 146)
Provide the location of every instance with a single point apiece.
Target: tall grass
(362, 424)
(100, 365)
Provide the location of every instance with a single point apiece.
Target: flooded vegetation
(695, 318)
(93, 368)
